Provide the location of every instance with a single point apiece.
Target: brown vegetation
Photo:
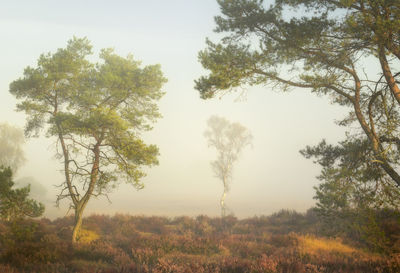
(284, 242)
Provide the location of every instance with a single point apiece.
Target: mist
(199, 136)
(270, 176)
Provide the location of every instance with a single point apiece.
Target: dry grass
(312, 245)
(154, 244)
(86, 236)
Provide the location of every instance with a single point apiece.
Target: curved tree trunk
(376, 146)
(391, 81)
(77, 225)
(78, 221)
(80, 206)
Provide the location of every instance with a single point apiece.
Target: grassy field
(286, 242)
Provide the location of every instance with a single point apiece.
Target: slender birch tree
(228, 139)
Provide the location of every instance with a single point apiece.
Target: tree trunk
(77, 223)
(80, 206)
(223, 209)
(376, 147)
(391, 81)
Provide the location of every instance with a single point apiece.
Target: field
(284, 242)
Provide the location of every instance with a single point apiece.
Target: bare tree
(229, 138)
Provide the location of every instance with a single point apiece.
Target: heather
(286, 241)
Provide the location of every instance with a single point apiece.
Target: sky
(269, 176)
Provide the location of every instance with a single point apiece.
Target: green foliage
(317, 40)
(325, 46)
(353, 190)
(15, 203)
(320, 45)
(97, 112)
(107, 103)
(350, 176)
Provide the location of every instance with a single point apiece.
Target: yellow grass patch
(313, 246)
(86, 236)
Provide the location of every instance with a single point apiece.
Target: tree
(350, 179)
(96, 112)
(14, 203)
(353, 192)
(228, 139)
(320, 45)
(11, 141)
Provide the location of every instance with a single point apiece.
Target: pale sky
(270, 176)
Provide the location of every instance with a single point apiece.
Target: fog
(270, 176)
